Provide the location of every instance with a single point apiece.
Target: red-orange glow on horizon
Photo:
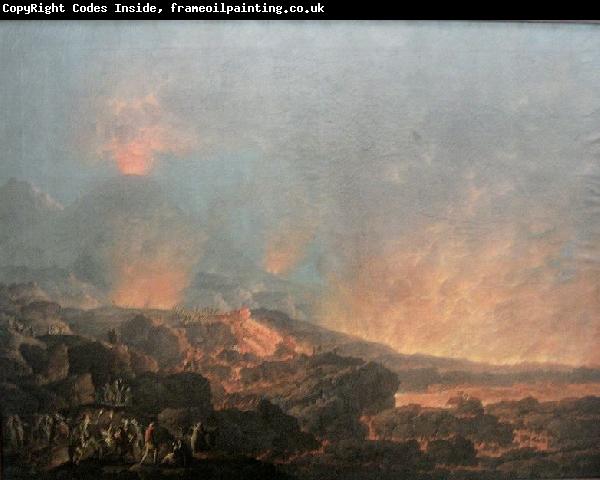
(437, 396)
(286, 248)
(149, 285)
(498, 295)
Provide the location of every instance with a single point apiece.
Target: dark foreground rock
(230, 468)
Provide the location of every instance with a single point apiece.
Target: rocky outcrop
(153, 393)
(50, 364)
(142, 363)
(328, 393)
(15, 400)
(265, 430)
(58, 363)
(102, 361)
(167, 345)
(77, 390)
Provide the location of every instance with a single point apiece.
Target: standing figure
(150, 444)
(197, 441)
(16, 433)
(60, 430)
(137, 438)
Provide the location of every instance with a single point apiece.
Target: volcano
(23, 208)
(124, 226)
(127, 242)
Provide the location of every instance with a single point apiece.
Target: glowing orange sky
(138, 130)
(152, 257)
(502, 293)
(286, 247)
(149, 284)
(501, 296)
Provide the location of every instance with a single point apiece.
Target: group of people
(85, 436)
(40, 431)
(20, 327)
(104, 435)
(116, 393)
(28, 330)
(201, 439)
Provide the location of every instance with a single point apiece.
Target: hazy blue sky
(422, 172)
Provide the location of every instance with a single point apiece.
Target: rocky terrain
(278, 397)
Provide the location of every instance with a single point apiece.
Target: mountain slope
(23, 210)
(127, 241)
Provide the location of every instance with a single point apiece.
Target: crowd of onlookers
(102, 435)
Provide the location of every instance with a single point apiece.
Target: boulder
(141, 363)
(16, 401)
(165, 344)
(153, 393)
(77, 390)
(266, 431)
(103, 361)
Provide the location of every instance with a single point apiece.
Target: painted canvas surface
(329, 250)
